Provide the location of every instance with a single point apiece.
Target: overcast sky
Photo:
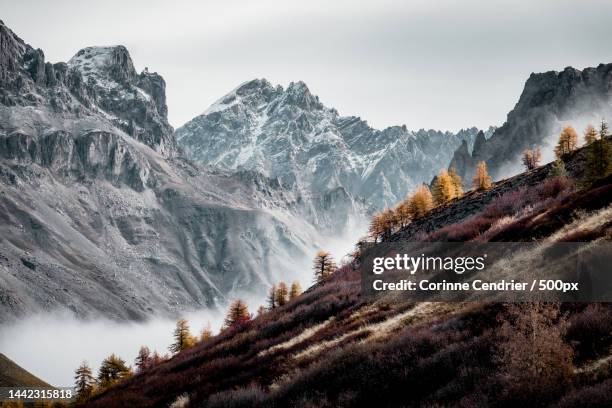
(444, 64)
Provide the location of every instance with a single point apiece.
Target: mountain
(549, 102)
(290, 135)
(101, 215)
(333, 346)
(12, 375)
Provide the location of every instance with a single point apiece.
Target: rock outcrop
(100, 215)
(549, 102)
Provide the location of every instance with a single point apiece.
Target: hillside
(549, 101)
(332, 347)
(11, 375)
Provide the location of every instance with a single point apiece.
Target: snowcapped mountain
(290, 135)
(101, 215)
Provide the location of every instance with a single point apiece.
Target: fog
(52, 345)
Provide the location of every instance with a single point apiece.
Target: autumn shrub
(535, 361)
(594, 396)
(405, 370)
(240, 398)
(520, 203)
(462, 231)
(590, 332)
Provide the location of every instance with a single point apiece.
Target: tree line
(448, 185)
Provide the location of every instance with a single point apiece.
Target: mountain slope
(289, 134)
(12, 375)
(549, 101)
(101, 215)
(334, 347)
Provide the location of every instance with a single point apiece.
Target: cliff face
(99, 214)
(549, 102)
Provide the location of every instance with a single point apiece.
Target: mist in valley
(51, 345)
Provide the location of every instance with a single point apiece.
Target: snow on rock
(289, 134)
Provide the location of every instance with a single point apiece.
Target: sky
(444, 64)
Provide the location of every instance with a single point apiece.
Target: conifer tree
(388, 222)
(182, 337)
(590, 135)
(402, 213)
(84, 382)
(272, 298)
(156, 359)
(482, 180)
(443, 188)
(457, 182)
(282, 294)
(421, 202)
(376, 228)
(112, 370)
(206, 333)
(237, 314)
(567, 143)
(532, 158)
(599, 154)
(261, 310)
(295, 291)
(558, 169)
(143, 359)
(323, 266)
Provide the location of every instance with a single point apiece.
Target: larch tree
(84, 382)
(482, 180)
(402, 213)
(388, 221)
(443, 188)
(272, 298)
(261, 310)
(143, 359)
(421, 202)
(599, 154)
(375, 230)
(295, 290)
(323, 266)
(590, 135)
(567, 143)
(237, 314)
(206, 333)
(532, 158)
(182, 337)
(457, 182)
(156, 359)
(282, 294)
(112, 370)
(558, 169)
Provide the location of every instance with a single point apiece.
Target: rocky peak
(135, 102)
(549, 101)
(289, 134)
(479, 143)
(12, 49)
(298, 94)
(111, 63)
